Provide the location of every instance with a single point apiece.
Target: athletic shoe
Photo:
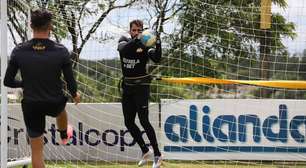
(145, 158)
(157, 162)
(69, 136)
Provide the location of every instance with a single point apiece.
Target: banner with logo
(99, 134)
(238, 129)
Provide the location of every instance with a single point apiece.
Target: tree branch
(12, 34)
(17, 26)
(100, 19)
(79, 19)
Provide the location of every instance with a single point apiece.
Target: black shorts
(34, 115)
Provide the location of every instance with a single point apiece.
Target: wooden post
(265, 43)
(265, 14)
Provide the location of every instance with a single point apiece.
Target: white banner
(234, 129)
(190, 130)
(99, 134)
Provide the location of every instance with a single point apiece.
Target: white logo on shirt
(130, 63)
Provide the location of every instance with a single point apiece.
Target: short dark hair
(136, 22)
(41, 19)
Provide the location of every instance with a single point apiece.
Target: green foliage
(225, 35)
(218, 39)
(98, 80)
(221, 39)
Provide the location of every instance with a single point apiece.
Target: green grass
(181, 164)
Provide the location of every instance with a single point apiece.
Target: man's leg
(129, 112)
(66, 131)
(37, 145)
(142, 99)
(35, 122)
(62, 120)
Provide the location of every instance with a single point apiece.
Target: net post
(3, 53)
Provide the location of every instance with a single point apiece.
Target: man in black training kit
(41, 62)
(134, 56)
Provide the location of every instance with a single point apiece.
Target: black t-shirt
(134, 56)
(41, 63)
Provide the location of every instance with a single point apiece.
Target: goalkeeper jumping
(134, 56)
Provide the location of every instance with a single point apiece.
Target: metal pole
(3, 54)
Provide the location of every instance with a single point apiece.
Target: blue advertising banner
(241, 129)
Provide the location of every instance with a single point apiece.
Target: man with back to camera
(134, 56)
(41, 62)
